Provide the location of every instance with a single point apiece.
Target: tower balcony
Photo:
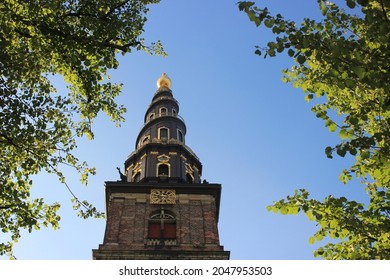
(164, 141)
(161, 98)
(166, 114)
(161, 115)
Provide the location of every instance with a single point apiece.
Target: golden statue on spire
(164, 81)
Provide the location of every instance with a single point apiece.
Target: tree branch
(80, 14)
(120, 47)
(116, 7)
(384, 11)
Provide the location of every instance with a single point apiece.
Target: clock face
(162, 196)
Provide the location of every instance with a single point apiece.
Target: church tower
(160, 209)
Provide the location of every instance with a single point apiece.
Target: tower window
(180, 136)
(163, 133)
(145, 140)
(174, 112)
(156, 231)
(163, 111)
(162, 228)
(151, 116)
(163, 169)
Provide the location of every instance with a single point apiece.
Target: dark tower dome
(160, 150)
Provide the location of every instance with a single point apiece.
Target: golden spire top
(164, 81)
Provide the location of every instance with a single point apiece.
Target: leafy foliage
(75, 39)
(344, 60)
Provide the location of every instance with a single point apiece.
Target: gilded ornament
(162, 196)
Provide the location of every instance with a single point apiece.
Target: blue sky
(254, 134)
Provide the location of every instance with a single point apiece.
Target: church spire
(160, 151)
(160, 209)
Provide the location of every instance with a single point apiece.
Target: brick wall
(127, 225)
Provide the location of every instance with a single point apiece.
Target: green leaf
(253, 17)
(283, 210)
(363, 2)
(320, 251)
(341, 151)
(377, 173)
(344, 134)
(269, 23)
(293, 210)
(359, 71)
(323, 7)
(333, 223)
(311, 240)
(245, 5)
(351, 4)
(271, 52)
(309, 97)
(310, 215)
(319, 237)
(276, 29)
(328, 152)
(301, 59)
(365, 154)
(331, 125)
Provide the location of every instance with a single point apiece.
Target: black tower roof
(160, 150)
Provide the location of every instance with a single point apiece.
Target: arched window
(151, 116)
(145, 140)
(163, 133)
(163, 170)
(162, 228)
(163, 111)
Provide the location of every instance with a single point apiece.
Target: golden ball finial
(164, 81)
